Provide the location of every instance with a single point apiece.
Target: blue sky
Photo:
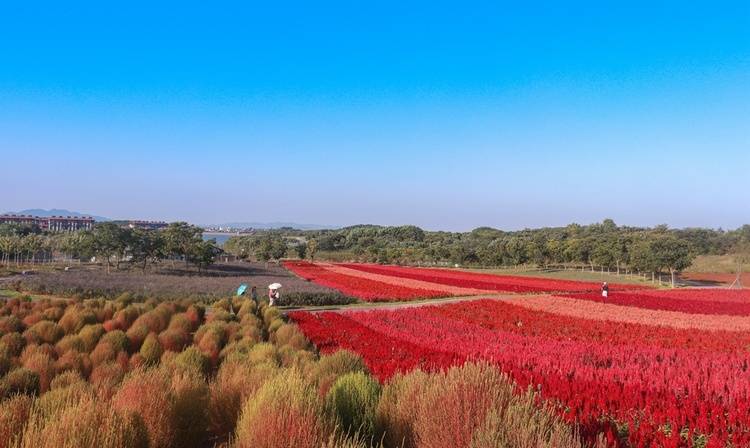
(445, 115)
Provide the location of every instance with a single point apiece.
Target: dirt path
(398, 305)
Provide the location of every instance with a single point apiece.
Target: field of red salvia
(487, 282)
(364, 288)
(653, 385)
(587, 309)
(731, 302)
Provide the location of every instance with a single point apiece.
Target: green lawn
(583, 276)
(713, 263)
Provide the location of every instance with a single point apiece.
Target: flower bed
(656, 386)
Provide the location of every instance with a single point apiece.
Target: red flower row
(488, 282)
(694, 301)
(370, 290)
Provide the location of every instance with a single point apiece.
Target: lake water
(220, 238)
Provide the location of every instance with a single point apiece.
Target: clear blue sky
(444, 115)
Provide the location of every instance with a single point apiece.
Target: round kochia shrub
(290, 334)
(353, 399)
(475, 389)
(332, 366)
(13, 343)
(47, 331)
(90, 335)
(190, 409)
(399, 402)
(146, 393)
(524, 424)
(192, 360)
(234, 383)
(117, 339)
(151, 350)
(20, 381)
(174, 339)
(43, 365)
(86, 423)
(286, 411)
(70, 342)
(14, 413)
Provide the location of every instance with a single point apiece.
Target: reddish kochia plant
(286, 411)
(146, 393)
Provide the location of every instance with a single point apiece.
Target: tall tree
(312, 248)
(180, 238)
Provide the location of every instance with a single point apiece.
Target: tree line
(656, 250)
(109, 243)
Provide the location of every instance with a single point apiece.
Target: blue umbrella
(241, 290)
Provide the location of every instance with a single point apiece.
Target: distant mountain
(269, 225)
(57, 212)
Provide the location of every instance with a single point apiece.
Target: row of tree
(598, 246)
(111, 244)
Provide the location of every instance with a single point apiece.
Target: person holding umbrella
(273, 293)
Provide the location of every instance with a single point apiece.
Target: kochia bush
(353, 399)
(286, 411)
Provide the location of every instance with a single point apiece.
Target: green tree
(181, 239)
(312, 249)
(203, 253)
(110, 240)
(146, 246)
(301, 249)
(672, 253)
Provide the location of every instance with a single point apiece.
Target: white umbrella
(274, 286)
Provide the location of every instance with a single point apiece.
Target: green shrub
(190, 410)
(353, 399)
(330, 367)
(22, 381)
(70, 342)
(314, 299)
(151, 350)
(290, 334)
(90, 335)
(136, 334)
(263, 353)
(49, 405)
(5, 363)
(192, 360)
(117, 339)
(13, 342)
(48, 332)
(270, 314)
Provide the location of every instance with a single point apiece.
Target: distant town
(69, 223)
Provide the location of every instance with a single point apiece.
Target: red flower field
(735, 302)
(654, 377)
(394, 283)
(361, 287)
(487, 282)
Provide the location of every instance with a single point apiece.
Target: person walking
(605, 291)
(254, 295)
